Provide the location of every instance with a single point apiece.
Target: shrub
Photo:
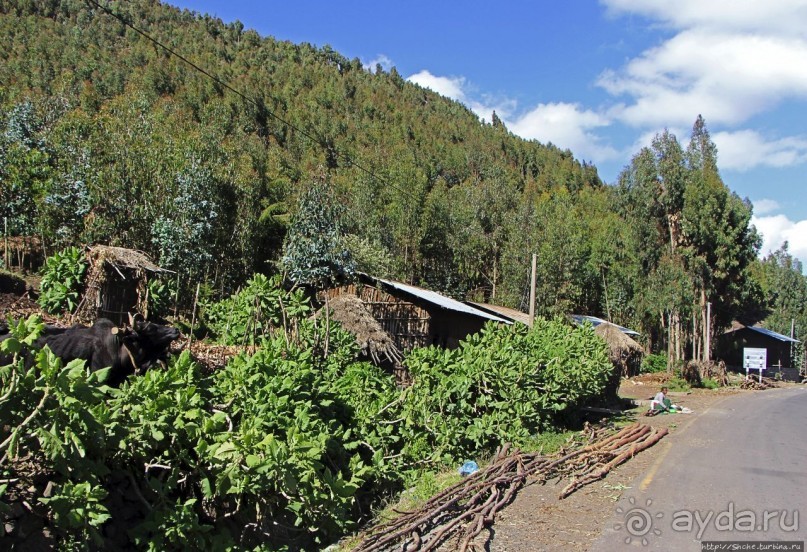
(710, 383)
(62, 281)
(287, 446)
(252, 313)
(501, 385)
(654, 363)
(160, 296)
(678, 384)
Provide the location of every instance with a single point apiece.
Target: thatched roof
(624, 352)
(616, 339)
(119, 257)
(355, 317)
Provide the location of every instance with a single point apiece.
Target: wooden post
(708, 351)
(5, 233)
(176, 297)
(193, 316)
(532, 289)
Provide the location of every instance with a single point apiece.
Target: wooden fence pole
(5, 233)
(193, 317)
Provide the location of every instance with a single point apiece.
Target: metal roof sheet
(594, 321)
(773, 334)
(510, 314)
(441, 300)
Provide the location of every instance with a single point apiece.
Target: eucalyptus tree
(314, 251)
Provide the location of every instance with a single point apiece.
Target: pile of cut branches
(755, 384)
(463, 510)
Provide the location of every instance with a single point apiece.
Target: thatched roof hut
(625, 354)
(117, 281)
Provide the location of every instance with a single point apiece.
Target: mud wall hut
(416, 317)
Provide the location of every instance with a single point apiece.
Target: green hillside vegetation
(287, 448)
(107, 138)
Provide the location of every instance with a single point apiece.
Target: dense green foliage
(784, 287)
(654, 363)
(250, 314)
(286, 446)
(62, 281)
(501, 381)
(106, 138)
(137, 140)
(315, 252)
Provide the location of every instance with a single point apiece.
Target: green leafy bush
(678, 384)
(77, 508)
(252, 313)
(710, 383)
(62, 281)
(501, 385)
(654, 363)
(288, 446)
(160, 297)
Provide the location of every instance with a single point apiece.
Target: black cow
(125, 350)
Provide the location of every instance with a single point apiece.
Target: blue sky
(598, 77)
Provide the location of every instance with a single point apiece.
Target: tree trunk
(704, 324)
(670, 357)
(495, 276)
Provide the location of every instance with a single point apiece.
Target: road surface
(737, 472)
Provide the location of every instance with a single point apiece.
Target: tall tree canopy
(107, 138)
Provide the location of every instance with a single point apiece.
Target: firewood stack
(463, 510)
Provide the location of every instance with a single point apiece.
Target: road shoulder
(537, 520)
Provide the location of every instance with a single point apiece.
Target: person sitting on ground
(661, 402)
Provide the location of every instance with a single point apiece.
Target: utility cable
(332, 150)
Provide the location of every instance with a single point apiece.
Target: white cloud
(780, 16)
(457, 88)
(777, 229)
(567, 126)
(450, 87)
(727, 60)
(746, 149)
(382, 60)
(765, 206)
(728, 77)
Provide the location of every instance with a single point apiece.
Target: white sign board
(755, 359)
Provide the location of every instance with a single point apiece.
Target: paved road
(744, 457)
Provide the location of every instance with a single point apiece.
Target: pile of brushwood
(755, 384)
(292, 444)
(465, 509)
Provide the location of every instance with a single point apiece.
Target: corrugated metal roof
(771, 333)
(594, 321)
(441, 300)
(511, 314)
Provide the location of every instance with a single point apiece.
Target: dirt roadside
(538, 521)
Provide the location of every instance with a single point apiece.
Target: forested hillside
(106, 137)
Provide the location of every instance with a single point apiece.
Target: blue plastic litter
(468, 468)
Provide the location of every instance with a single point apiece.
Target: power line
(171, 51)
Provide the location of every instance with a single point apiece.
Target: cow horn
(131, 320)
